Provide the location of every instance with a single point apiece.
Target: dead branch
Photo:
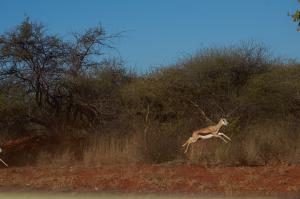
(207, 119)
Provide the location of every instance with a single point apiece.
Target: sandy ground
(111, 196)
(279, 180)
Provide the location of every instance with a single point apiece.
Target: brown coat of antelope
(208, 132)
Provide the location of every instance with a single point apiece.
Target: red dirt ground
(191, 179)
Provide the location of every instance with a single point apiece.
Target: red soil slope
(267, 180)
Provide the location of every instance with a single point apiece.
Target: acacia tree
(44, 66)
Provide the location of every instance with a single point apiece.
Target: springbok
(208, 132)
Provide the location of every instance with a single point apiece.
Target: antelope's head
(224, 121)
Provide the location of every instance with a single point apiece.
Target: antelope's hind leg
(187, 143)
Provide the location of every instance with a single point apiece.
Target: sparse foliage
(60, 79)
(296, 17)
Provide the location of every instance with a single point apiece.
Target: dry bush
(162, 142)
(271, 141)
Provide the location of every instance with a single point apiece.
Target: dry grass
(98, 150)
(262, 143)
(112, 150)
(62, 159)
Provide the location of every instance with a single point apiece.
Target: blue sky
(159, 32)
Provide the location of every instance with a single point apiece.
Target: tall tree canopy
(53, 73)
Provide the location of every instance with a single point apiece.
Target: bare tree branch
(207, 119)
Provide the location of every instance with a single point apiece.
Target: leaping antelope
(208, 132)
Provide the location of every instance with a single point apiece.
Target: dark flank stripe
(203, 133)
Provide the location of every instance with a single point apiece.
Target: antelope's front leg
(224, 136)
(219, 136)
